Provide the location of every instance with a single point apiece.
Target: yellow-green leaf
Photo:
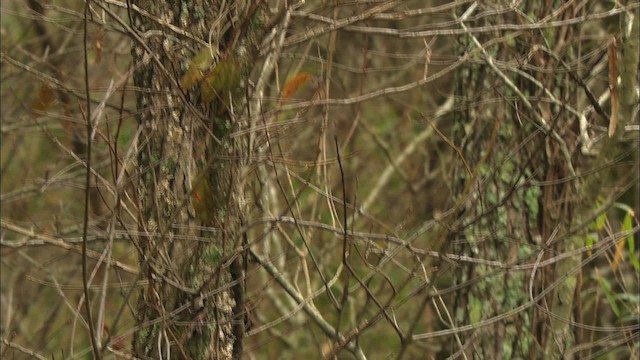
(222, 79)
(627, 225)
(197, 68)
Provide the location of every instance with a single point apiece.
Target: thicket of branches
(337, 179)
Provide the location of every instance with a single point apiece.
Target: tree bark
(511, 143)
(190, 193)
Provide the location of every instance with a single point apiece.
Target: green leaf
(627, 225)
(606, 287)
(592, 238)
(599, 223)
(624, 207)
(600, 220)
(475, 311)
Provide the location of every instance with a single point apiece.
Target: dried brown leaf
(613, 86)
(99, 36)
(43, 100)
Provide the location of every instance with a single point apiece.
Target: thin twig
(89, 123)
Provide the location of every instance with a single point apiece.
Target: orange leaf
(613, 85)
(618, 255)
(197, 198)
(293, 85)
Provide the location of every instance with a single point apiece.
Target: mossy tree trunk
(517, 194)
(190, 192)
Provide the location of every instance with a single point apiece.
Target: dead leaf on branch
(613, 85)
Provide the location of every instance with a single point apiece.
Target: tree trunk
(190, 191)
(513, 205)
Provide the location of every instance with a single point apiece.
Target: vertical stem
(85, 280)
